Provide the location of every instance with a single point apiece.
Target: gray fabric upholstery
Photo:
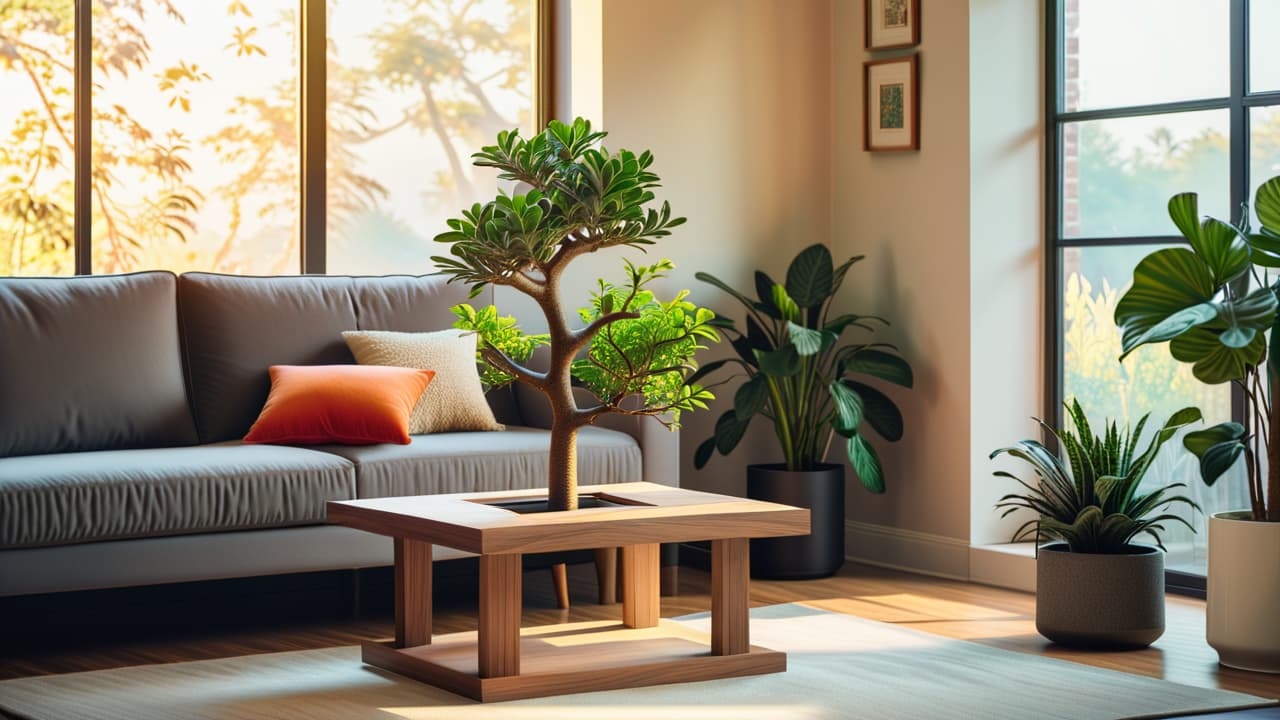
(515, 458)
(83, 497)
(234, 328)
(91, 363)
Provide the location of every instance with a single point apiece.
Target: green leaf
(729, 431)
(764, 290)
(703, 453)
(879, 410)
(1264, 250)
(1215, 363)
(1218, 459)
(1199, 441)
(809, 342)
(866, 464)
(1267, 204)
(1223, 248)
(880, 364)
(1185, 214)
(849, 409)
(786, 306)
(717, 282)
(810, 276)
(783, 362)
(1170, 290)
(838, 325)
(751, 397)
(1217, 448)
(1242, 319)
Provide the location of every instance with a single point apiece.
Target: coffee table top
(644, 513)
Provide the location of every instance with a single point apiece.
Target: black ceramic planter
(821, 552)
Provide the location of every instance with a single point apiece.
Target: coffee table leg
(640, 585)
(730, 596)
(413, 593)
(500, 602)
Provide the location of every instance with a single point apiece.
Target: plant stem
(782, 424)
(562, 467)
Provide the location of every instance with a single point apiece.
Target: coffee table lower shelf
(574, 658)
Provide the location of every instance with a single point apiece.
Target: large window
(201, 154)
(1136, 118)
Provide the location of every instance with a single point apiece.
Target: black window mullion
(82, 136)
(1238, 141)
(1053, 98)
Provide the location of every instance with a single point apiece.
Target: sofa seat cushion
(113, 494)
(511, 459)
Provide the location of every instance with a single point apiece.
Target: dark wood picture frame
(913, 25)
(910, 111)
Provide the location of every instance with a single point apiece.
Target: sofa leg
(607, 575)
(561, 581)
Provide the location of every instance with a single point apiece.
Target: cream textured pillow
(454, 401)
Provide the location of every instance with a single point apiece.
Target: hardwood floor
(991, 616)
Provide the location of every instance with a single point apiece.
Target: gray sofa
(123, 399)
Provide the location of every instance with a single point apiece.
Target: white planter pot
(1244, 591)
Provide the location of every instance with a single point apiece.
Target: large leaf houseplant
(1096, 586)
(632, 351)
(1214, 302)
(806, 378)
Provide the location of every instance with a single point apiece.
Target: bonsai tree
(1211, 302)
(801, 377)
(633, 352)
(1093, 505)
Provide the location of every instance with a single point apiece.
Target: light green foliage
(1092, 502)
(496, 331)
(799, 375)
(647, 356)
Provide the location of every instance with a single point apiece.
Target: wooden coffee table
(502, 662)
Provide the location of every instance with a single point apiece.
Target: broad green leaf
(1267, 204)
(1199, 441)
(880, 364)
(809, 342)
(717, 282)
(729, 430)
(783, 362)
(839, 324)
(1183, 209)
(787, 307)
(879, 410)
(848, 409)
(1244, 318)
(839, 273)
(810, 276)
(1213, 362)
(1166, 283)
(1223, 249)
(866, 464)
(1218, 459)
(1264, 250)
(764, 290)
(704, 451)
(750, 397)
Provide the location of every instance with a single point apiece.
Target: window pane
(1118, 175)
(1264, 150)
(1121, 53)
(195, 154)
(409, 101)
(1149, 381)
(36, 136)
(1264, 51)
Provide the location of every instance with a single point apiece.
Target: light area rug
(839, 666)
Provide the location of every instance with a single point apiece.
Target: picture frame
(892, 24)
(891, 104)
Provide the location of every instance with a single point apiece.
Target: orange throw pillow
(344, 404)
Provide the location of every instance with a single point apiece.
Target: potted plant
(807, 383)
(1095, 587)
(1212, 304)
(633, 352)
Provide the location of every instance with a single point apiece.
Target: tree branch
(583, 336)
(503, 362)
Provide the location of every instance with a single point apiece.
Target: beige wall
(908, 212)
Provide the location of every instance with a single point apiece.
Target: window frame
(312, 256)
(1238, 104)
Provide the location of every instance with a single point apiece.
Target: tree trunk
(562, 470)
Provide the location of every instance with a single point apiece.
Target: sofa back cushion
(235, 327)
(91, 363)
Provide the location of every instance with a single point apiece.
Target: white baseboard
(1011, 565)
(899, 549)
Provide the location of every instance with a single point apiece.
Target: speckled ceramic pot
(1100, 601)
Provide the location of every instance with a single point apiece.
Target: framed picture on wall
(891, 104)
(892, 24)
